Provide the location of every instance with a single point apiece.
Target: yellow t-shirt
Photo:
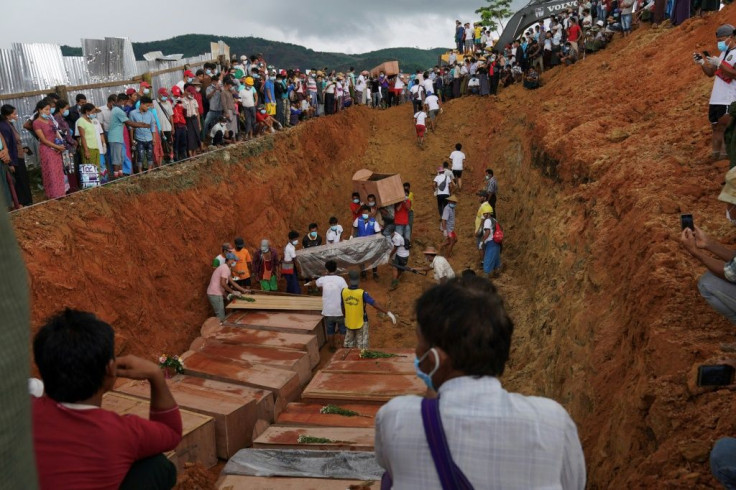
(240, 271)
(90, 132)
(477, 32)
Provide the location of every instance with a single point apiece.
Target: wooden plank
(283, 383)
(344, 438)
(198, 435)
(240, 482)
(349, 361)
(293, 360)
(235, 417)
(287, 322)
(361, 388)
(266, 338)
(308, 415)
(263, 302)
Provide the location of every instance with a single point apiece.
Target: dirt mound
(594, 170)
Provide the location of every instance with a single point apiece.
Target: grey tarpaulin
(370, 251)
(347, 465)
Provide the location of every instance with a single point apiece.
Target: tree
(493, 14)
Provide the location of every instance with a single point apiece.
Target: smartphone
(706, 54)
(715, 375)
(686, 221)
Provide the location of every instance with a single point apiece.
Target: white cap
(35, 387)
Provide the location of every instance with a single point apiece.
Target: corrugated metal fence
(39, 68)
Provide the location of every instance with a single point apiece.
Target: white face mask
(295, 242)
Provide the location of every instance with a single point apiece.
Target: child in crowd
(420, 119)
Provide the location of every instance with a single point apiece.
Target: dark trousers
(280, 112)
(292, 284)
(494, 84)
(166, 145)
(180, 143)
(217, 140)
(492, 202)
(154, 473)
(22, 183)
(441, 203)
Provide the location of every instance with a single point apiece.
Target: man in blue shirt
(143, 135)
(366, 225)
(115, 135)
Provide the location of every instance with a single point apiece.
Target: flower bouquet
(171, 365)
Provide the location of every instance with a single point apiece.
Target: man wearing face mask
(143, 136)
(334, 234)
(720, 67)
(474, 432)
(355, 205)
(288, 266)
(220, 282)
(312, 239)
(363, 226)
(718, 284)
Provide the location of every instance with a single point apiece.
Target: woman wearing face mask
(61, 119)
(9, 116)
(50, 148)
(474, 433)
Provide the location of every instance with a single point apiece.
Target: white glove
(444, 233)
(713, 60)
(698, 59)
(480, 246)
(392, 317)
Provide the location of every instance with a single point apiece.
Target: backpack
(497, 232)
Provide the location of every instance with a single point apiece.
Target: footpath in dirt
(594, 170)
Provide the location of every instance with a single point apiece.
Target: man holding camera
(724, 88)
(718, 285)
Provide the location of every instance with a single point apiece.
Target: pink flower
(162, 359)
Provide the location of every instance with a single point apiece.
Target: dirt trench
(593, 177)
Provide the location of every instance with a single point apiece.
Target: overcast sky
(329, 25)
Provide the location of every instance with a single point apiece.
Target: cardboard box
(388, 188)
(389, 68)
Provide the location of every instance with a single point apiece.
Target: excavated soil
(594, 169)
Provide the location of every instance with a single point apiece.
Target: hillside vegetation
(284, 54)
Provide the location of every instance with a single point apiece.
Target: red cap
(175, 90)
(189, 73)
(163, 91)
(145, 85)
(130, 91)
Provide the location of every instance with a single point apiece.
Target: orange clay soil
(594, 170)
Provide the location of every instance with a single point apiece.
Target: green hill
(285, 54)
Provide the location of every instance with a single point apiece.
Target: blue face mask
(93, 116)
(722, 46)
(164, 98)
(313, 234)
(65, 113)
(53, 109)
(365, 216)
(452, 205)
(427, 378)
(46, 116)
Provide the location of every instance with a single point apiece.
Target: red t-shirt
(401, 213)
(573, 33)
(261, 117)
(355, 209)
(80, 449)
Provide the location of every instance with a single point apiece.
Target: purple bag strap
(450, 475)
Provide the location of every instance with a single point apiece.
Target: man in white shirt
(360, 86)
(437, 263)
(416, 94)
(724, 88)
(400, 256)
(334, 233)
(420, 119)
(433, 105)
(427, 85)
(289, 264)
(497, 439)
(458, 158)
(332, 286)
(249, 99)
(442, 186)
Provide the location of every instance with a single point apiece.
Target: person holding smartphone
(718, 284)
(721, 69)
